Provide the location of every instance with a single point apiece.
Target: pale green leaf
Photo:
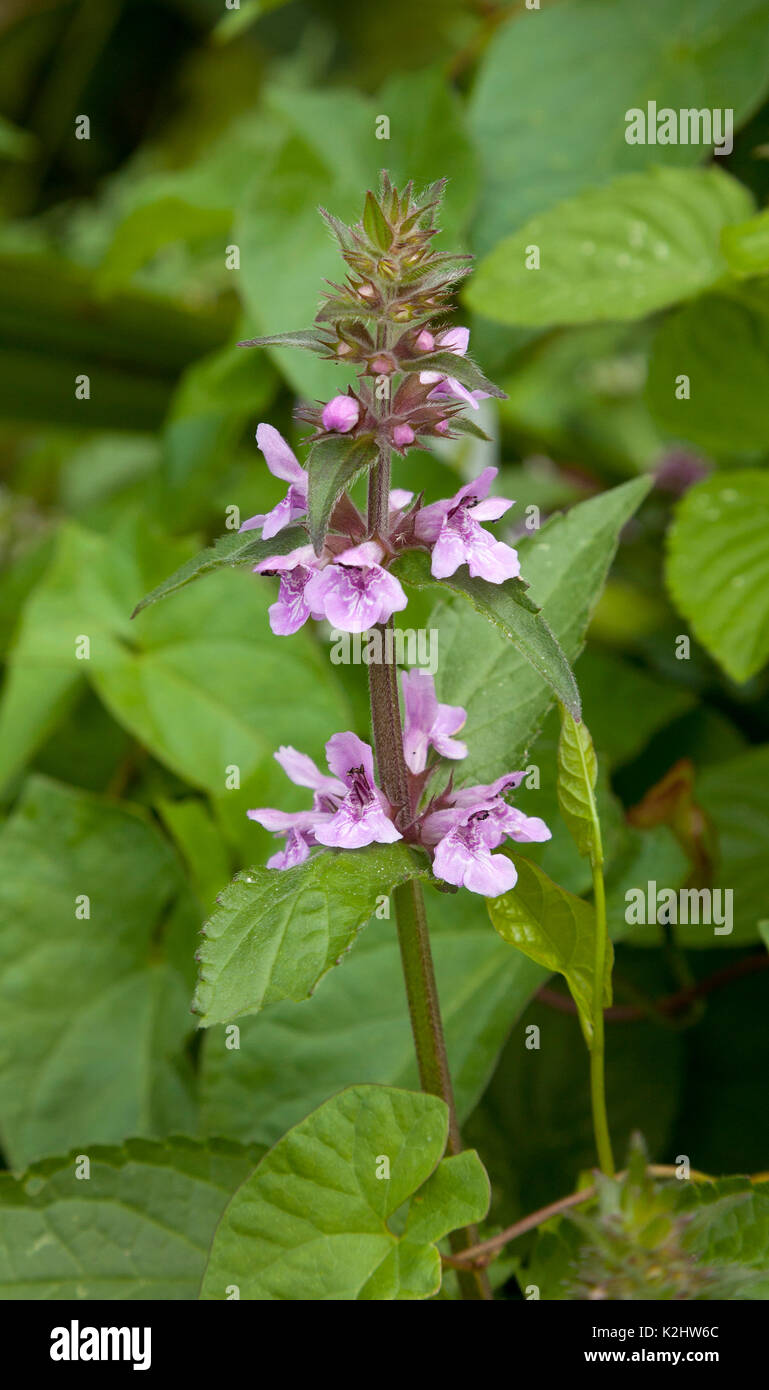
(313, 1222)
(275, 933)
(718, 568)
(577, 776)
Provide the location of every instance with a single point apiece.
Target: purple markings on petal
(341, 413)
(453, 528)
(463, 857)
(362, 816)
(293, 606)
(282, 463)
(356, 593)
(427, 723)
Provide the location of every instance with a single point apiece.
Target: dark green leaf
(332, 467)
(240, 548)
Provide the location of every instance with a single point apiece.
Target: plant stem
(411, 918)
(597, 1078)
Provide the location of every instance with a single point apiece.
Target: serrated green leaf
(451, 364)
(275, 933)
(139, 1228)
(357, 1028)
(554, 928)
(240, 548)
(313, 1221)
(621, 252)
(565, 564)
(333, 466)
(97, 934)
(548, 105)
(510, 609)
(718, 568)
(577, 775)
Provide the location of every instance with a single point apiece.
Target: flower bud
(402, 435)
(425, 341)
(340, 414)
(382, 366)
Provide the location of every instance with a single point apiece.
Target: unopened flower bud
(341, 414)
(367, 292)
(425, 342)
(403, 434)
(382, 366)
(343, 349)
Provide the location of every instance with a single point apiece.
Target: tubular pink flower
(293, 606)
(452, 528)
(362, 817)
(355, 592)
(282, 463)
(427, 723)
(341, 414)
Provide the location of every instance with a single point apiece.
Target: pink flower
(427, 723)
(403, 435)
(362, 817)
(466, 833)
(355, 592)
(452, 528)
(341, 413)
(282, 463)
(299, 826)
(454, 340)
(293, 606)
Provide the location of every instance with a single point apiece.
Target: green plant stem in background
(597, 1078)
(410, 914)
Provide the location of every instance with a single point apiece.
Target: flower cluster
(349, 583)
(460, 829)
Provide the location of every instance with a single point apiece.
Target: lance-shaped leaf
(332, 467)
(275, 933)
(313, 1222)
(308, 338)
(139, 1228)
(577, 775)
(509, 608)
(463, 369)
(241, 548)
(554, 928)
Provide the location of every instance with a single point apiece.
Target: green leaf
(718, 568)
(729, 1226)
(746, 246)
(78, 992)
(726, 408)
(228, 551)
(186, 680)
(276, 933)
(308, 338)
(451, 364)
(376, 224)
(735, 796)
(148, 229)
(565, 563)
(577, 776)
(554, 928)
(548, 106)
(333, 466)
(646, 241)
(139, 1228)
(313, 1222)
(358, 1030)
(510, 609)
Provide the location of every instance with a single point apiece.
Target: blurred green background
(213, 136)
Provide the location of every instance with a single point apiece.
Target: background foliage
(212, 128)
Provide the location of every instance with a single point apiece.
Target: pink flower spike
(341, 413)
(293, 606)
(362, 817)
(355, 593)
(282, 463)
(453, 528)
(428, 723)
